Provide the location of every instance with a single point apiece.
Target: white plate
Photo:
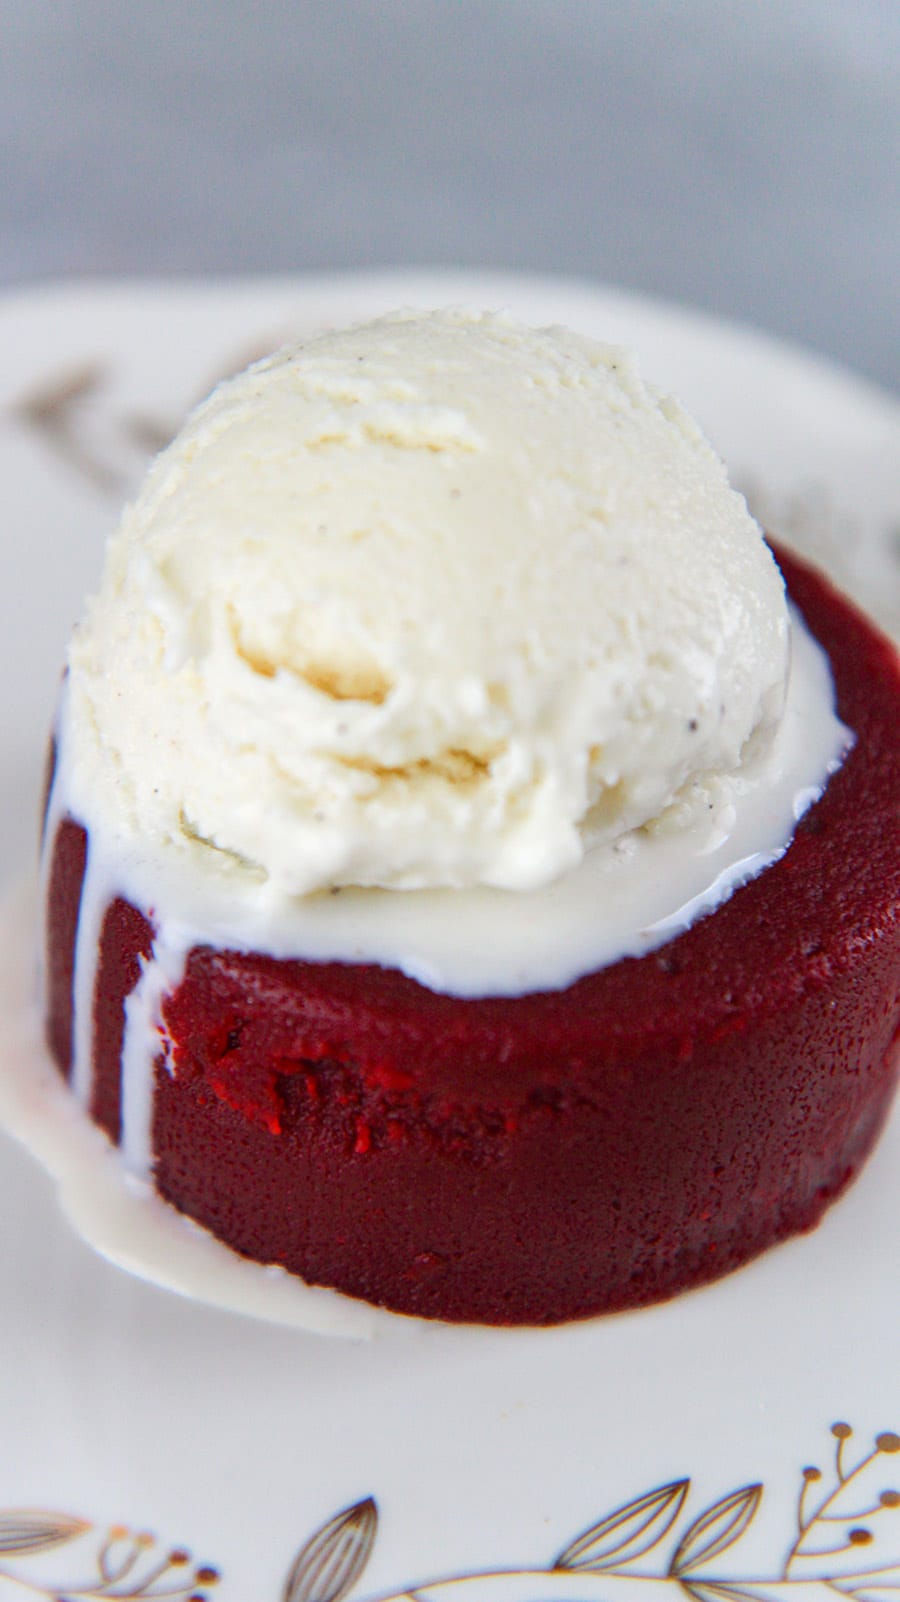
(486, 1453)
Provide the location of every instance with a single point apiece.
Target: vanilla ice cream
(440, 601)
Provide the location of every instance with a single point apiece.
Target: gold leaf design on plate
(332, 1560)
(629, 1532)
(831, 1510)
(56, 411)
(134, 1565)
(609, 1549)
(148, 434)
(61, 409)
(128, 1565)
(36, 1531)
(715, 1530)
(721, 1591)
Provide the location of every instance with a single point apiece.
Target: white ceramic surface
(487, 1453)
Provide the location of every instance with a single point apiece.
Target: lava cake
(449, 894)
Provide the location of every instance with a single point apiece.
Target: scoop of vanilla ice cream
(437, 601)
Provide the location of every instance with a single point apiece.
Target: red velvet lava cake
(459, 886)
(534, 1158)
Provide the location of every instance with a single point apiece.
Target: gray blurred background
(738, 155)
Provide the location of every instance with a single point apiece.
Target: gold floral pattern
(840, 1515)
(118, 1562)
(64, 409)
(648, 1539)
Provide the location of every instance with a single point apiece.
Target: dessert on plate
(470, 865)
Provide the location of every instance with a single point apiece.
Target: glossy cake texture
(499, 1157)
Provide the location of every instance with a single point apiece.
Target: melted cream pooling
(622, 900)
(121, 1216)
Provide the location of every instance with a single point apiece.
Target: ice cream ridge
(470, 875)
